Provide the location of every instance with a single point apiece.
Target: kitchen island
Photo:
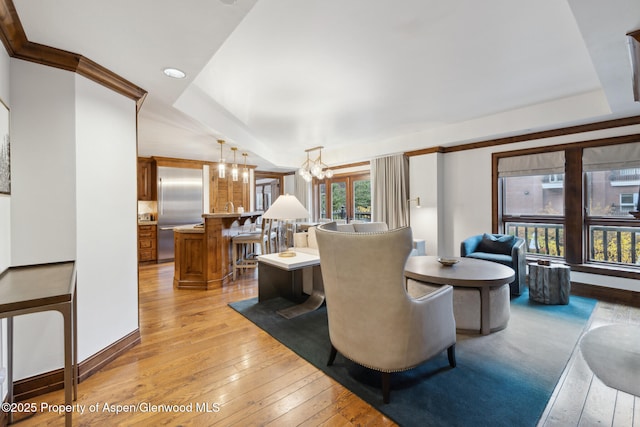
(203, 253)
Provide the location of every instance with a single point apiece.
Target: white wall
(43, 219)
(74, 170)
(425, 181)
(42, 164)
(106, 205)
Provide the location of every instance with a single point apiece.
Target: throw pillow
(500, 244)
(300, 240)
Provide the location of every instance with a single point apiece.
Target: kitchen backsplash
(147, 208)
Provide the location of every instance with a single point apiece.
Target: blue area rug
(502, 379)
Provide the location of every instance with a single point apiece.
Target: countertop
(231, 214)
(191, 228)
(141, 222)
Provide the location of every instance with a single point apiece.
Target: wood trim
(99, 74)
(351, 165)
(54, 380)
(496, 196)
(18, 46)
(623, 139)
(601, 293)
(590, 127)
(607, 270)
(180, 163)
(423, 151)
(11, 30)
(273, 175)
(573, 206)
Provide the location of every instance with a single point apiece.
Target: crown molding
(18, 46)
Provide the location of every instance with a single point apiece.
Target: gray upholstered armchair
(372, 319)
(502, 248)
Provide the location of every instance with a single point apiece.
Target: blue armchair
(502, 248)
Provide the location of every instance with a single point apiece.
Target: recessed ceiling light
(174, 73)
(228, 2)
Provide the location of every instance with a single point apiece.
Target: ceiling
(363, 78)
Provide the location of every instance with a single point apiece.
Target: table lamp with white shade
(286, 208)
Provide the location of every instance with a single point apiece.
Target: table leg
(315, 300)
(485, 310)
(74, 318)
(68, 361)
(10, 366)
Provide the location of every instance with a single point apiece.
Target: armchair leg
(451, 353)
(386, 386)
(332, 355)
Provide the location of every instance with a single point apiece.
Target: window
(579, 212)
(533, 201)
(344, 198)
(628, 202)
(612, 181)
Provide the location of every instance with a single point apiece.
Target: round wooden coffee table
(467, 273)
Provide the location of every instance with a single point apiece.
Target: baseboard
(602, 293)
(54, 380)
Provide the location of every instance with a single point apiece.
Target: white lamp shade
(286, 207)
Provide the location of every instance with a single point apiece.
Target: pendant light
(222, 168)
(245, 171)
(234, 166)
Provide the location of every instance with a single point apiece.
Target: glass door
(362, 199)
(344, 198)
(339, 206)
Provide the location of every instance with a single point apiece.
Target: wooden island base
(203, 254)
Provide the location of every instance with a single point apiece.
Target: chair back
(363, 276)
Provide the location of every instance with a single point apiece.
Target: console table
(37, 288)
(287, 277)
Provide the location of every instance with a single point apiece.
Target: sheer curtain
(390, 190)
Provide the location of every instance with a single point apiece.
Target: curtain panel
(390, 190)
(301, 190)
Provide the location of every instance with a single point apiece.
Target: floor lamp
(286, 208)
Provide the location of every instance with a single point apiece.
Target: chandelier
(314, 168)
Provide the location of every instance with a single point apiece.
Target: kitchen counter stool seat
(246, 247)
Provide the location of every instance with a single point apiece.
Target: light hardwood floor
(580, 398)
(196, 350)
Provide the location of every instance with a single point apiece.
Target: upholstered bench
(466, 305)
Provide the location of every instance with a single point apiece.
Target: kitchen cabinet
(147, 186)
(203, 256)
(147, 243)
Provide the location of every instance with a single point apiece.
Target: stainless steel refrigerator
(179, 203)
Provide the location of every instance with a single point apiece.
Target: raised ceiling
(364, 78)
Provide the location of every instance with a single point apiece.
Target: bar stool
(246, 247)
